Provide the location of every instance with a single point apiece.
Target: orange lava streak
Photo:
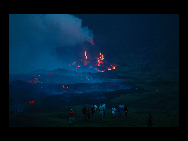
(85, 54)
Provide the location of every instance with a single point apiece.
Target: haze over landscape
(59, 61)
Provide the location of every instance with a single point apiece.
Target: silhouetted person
(101, 108)
(104, 109)
(150, 119)
(93, 112)
(84, 111)
(95, 106)
(71, 116)
(121, 108)
(113, 111)
(125, 110)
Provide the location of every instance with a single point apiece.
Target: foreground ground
(61, 119)
(161, 99)
(163, 106)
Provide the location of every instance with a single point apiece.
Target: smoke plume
(38, 41)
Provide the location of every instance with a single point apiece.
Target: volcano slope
(160, 98)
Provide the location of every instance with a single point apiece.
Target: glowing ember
(34, 81)
(87, 78)
(92, 43)
(65, 87)
(31, 101)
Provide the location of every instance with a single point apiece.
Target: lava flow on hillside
(93, 64)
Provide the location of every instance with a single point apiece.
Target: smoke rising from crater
(38, 41)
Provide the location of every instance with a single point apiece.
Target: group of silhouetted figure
(86, 112)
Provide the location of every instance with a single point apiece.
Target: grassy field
(162, 104)
(160, 98)
(61, 119)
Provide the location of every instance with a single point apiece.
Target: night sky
(43, 41)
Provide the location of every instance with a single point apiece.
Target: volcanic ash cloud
(35, 38)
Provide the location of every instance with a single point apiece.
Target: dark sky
(52, 41)
(131, 32)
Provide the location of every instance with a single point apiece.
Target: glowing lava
(99, 60)
(85, 54)
(31, 101)
(99, 64)
(35, 81)
(65, 87)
